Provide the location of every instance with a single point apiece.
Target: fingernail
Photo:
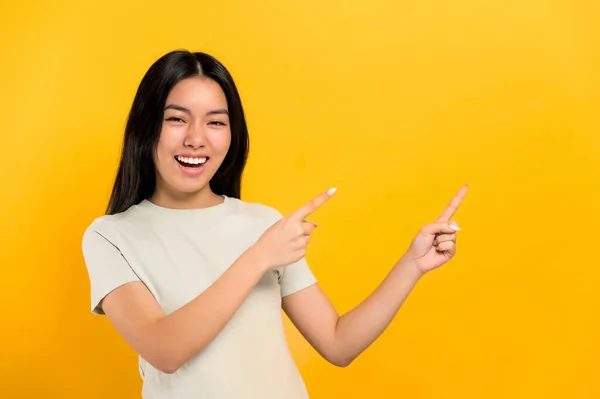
(454, 226)
(331, 191)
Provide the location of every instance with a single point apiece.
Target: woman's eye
(175, 119)
(217, 123)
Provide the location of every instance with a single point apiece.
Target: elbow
(345, 362)
(168, 359)
(166, 364)
(167, 368)
(340, 360)
(338, 355)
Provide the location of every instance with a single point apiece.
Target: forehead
(197, 93)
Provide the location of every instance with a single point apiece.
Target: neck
(201, 199)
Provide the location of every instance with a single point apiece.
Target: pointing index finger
(304, 211)
(453, 206)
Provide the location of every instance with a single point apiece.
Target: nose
(195, 137)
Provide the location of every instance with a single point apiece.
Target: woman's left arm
(341, 339)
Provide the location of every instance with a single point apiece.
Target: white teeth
(191, 161)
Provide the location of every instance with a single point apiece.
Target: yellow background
(395, 103)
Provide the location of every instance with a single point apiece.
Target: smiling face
(193, 143)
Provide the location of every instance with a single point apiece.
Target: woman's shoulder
(109, 224)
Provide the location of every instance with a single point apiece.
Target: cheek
(166, 143)
(161, 156)
(222, 142)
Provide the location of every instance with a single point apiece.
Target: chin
(188, 189)
(181, 185)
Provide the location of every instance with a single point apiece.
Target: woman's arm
(341, 339)
(167, 342)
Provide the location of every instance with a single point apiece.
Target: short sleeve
(295, 277)
(106, 266)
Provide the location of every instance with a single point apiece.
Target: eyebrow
(220, 111)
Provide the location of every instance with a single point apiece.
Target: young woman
(194, 279)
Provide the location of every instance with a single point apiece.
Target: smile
(191, 162)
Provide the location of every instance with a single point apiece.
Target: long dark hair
(136, 176)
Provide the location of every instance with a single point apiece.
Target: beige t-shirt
(178, 254)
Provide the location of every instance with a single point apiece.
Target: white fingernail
(454, 226)
(331, 191)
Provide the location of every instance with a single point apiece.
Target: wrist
(409, 268)
(255, 259)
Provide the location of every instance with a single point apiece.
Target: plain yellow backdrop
(395, 103)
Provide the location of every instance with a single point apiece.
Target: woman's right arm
(167, 342)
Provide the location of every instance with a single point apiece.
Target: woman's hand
(435, 244)
(285, 242)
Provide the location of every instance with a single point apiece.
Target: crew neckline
(209, 213)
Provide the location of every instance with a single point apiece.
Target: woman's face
(194, 139)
